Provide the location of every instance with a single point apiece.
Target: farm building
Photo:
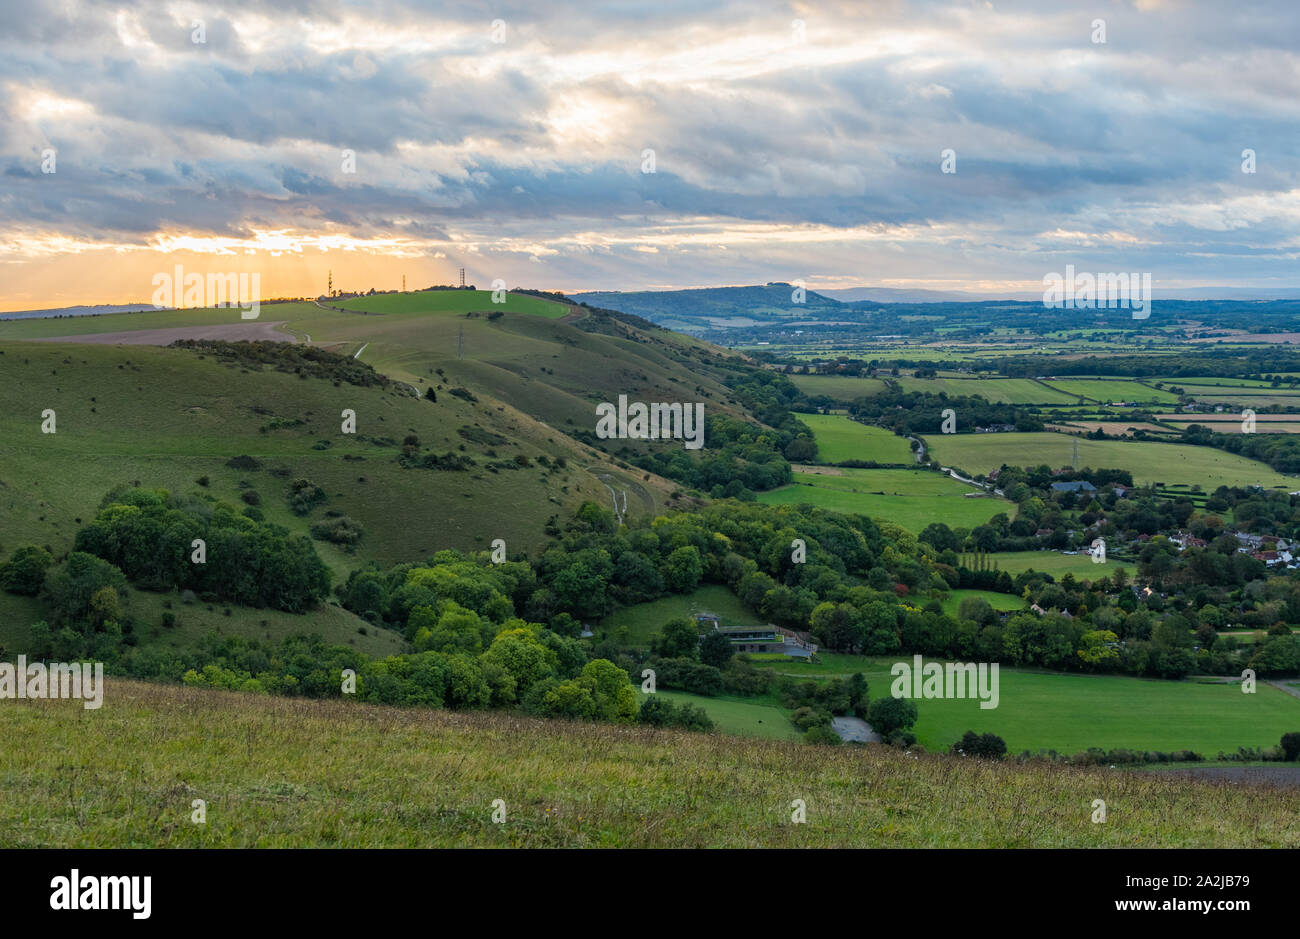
(1080, 485)
(759, 638)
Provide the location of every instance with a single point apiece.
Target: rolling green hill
(168, 417)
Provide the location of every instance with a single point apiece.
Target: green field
(270, 770)
(744, 717)
(1148, 461)
(1216, 382)
(996, 390)
(999, 601)
(1057, 564)
(840, 439)
(911, 498)
(846, 388)
(1069, 713)
(1108, 390)
(644, 620)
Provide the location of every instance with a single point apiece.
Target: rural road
(1289, 689)
(920, 457)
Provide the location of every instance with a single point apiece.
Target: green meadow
(644, 620)
(996, 390)
(1069, 713)
(1001, 602)
(1148, 461)
(1057, 564)
(744, 717)
(1107, 390)
(911, 498)
(839, 439)
(845, 388)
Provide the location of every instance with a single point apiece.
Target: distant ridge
(79, 311)
(884, 295)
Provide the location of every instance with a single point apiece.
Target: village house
(767, 638)
(1079, 485)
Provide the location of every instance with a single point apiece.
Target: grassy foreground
(290, 772)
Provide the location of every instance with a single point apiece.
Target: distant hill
(716, 307)
(78, 311)
(906, 295)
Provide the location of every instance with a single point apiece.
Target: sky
(645, 145)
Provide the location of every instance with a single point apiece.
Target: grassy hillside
(168, 417)
(272, 772)
(455, 301)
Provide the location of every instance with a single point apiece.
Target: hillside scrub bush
(341, 530)
(304, 495)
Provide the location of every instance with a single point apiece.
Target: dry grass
(290, 772)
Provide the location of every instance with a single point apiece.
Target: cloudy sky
(790, 142)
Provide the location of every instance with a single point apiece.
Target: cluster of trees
(815, 703)
(149, 535)
(984, 746)
(921, 412)
(740, 458)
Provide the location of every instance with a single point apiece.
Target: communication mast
(329, 291)
(462, 277)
